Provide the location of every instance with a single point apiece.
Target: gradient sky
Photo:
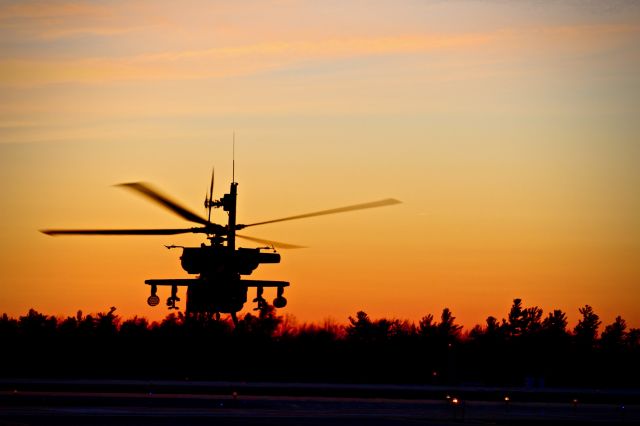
(508, 129)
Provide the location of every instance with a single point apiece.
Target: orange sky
(508, 130)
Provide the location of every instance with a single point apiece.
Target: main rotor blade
(276, 244)
(213, 176)
(373, 204)
(154, 195)
(55, 232)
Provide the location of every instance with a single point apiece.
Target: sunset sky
(509, 130)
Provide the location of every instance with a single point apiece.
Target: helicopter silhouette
(218, 286)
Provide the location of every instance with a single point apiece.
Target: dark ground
(105, 402)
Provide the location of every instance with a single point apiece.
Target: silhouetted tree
(554, 336)
(555, 324)
(170, 329)
(134, 328)
(8, 326)
(9, 336)
(531, 319)
(553, 342)
(586, 330)
(329, 331)
(262, 326)
(523, 321)
(386, 329)
(401, 330)
(447, 329)
(633, 338)
(515, 318)
(333, 328)
(360, 328)
(286, 327)
(488, 336)
(106, 324)
(493, 327)
(86, 325)
(68, 329)
(37, 325)
(427, 329)
(614, 334)
(365, 350)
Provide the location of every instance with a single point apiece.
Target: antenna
(233, 166)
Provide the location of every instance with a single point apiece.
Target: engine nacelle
(210, 260)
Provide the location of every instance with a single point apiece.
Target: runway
(94, 407)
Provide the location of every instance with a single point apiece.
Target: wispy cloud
(48, 10)
(51, 20)
(218, 62)
(253, 58)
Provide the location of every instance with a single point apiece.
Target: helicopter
(218, 266)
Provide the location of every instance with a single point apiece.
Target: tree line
(524, 348)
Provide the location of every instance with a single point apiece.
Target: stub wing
(174, 281)
(262, 283)
(186, 282)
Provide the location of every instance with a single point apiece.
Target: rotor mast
(233, 196)
(230, 206)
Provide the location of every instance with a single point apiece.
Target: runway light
(455, 401)
(507, 399)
